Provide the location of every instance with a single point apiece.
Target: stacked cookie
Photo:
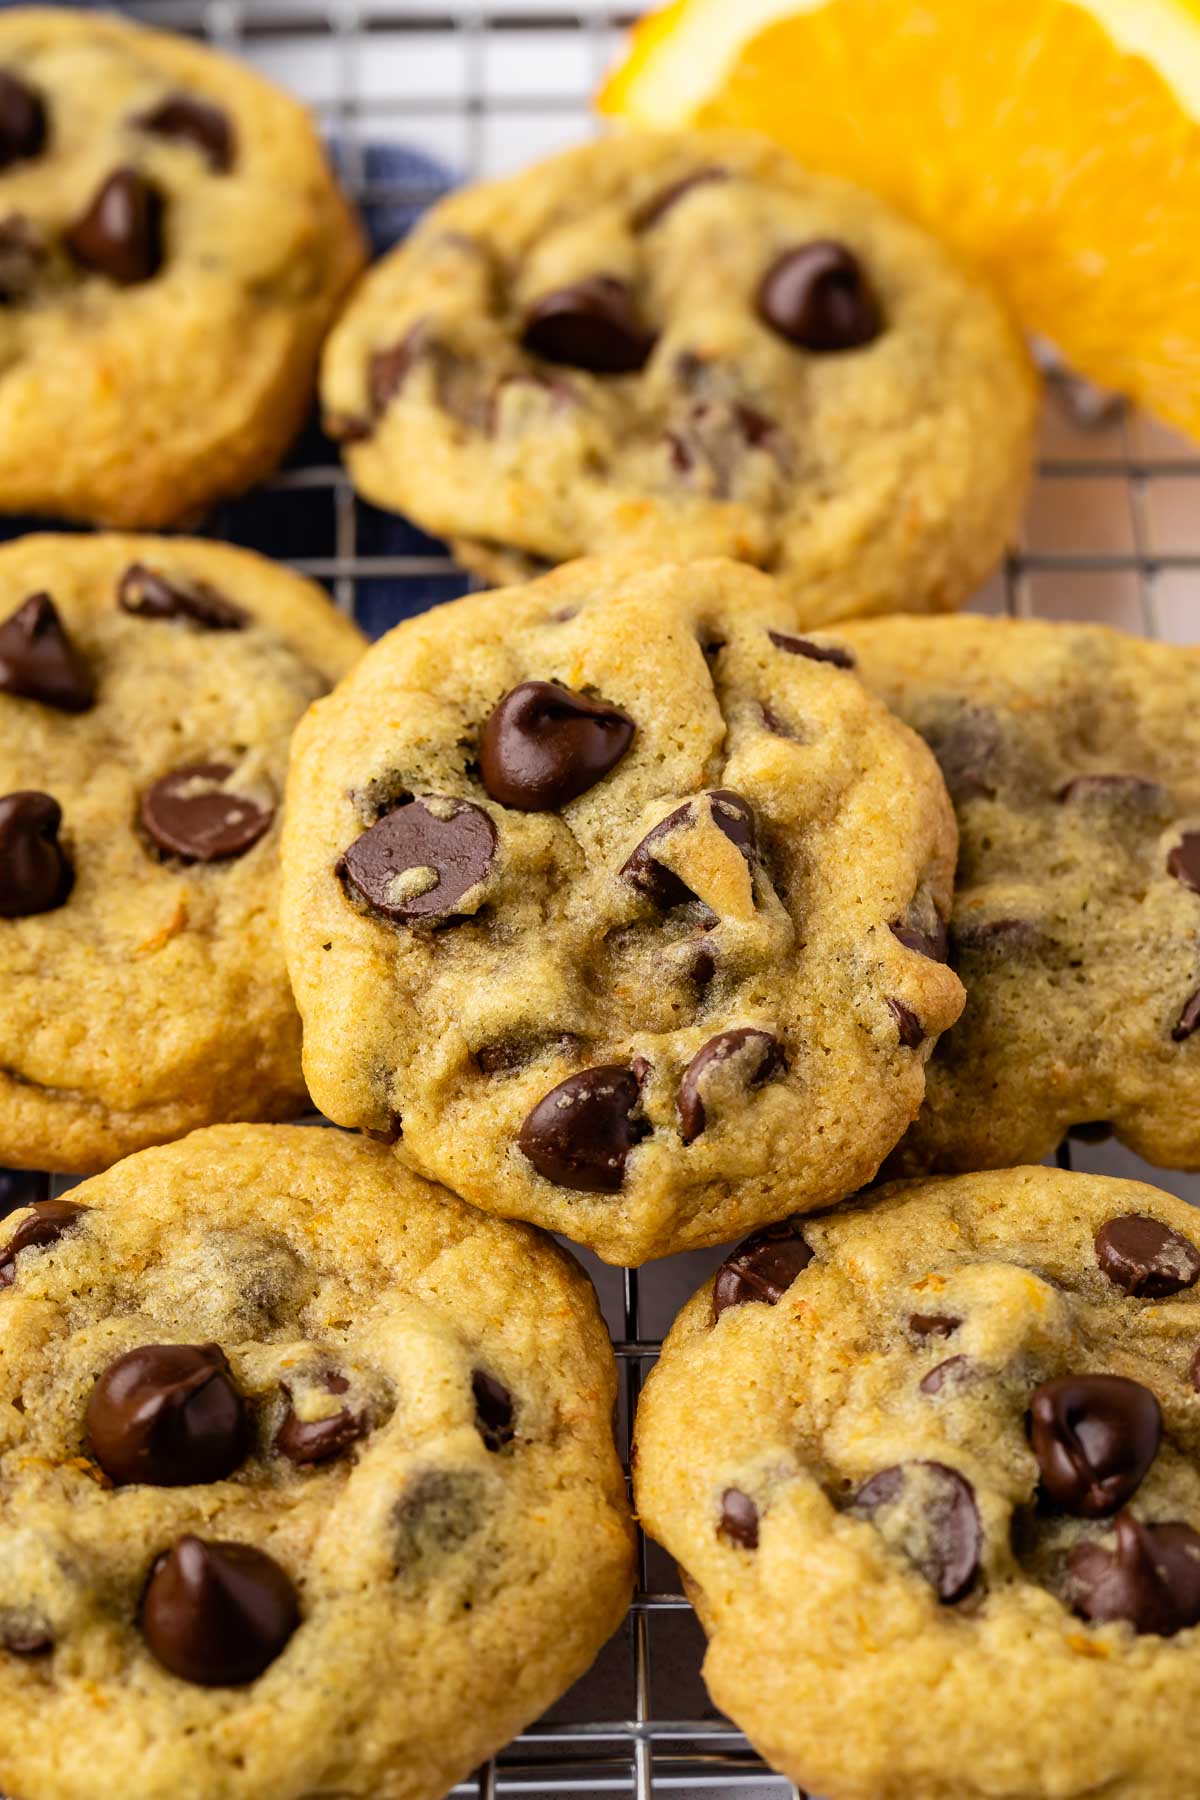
(661, 897)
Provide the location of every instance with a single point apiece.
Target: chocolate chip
(1183, 861)
(817, 296)
(969, 745)
(390, 368)
(439, 1511)
(592, 325)
(1189, 1019)
(924, 1325)
(909, 1028)
(168, 1415)
(579, 1135)
(306, 1441)
(22, 259)
(954, 1369)
(928, 1512)
(1094, 1437)
(543, 746)
(121, 232)
(189, 813)
(25, 1636)
(420, 859)
(995, 937)
(762, 1268)
(798, 646)
(701, 967)
(656, 208)
(493, 1409)
(1150, 1579)
(192, 121)
(1128, 790)
(217, 1614)
(731, 815)
(22, 121)
(926, 941)
(707, 1081)
(715, 434)
(149, 595)
(1146, 1259)
(739, 1519)
(35, 871)
(48, 1221)
(38, 660)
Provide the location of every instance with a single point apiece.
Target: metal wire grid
(1130, 560)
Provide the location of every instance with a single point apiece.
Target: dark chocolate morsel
(189, 813)
(149, 595)
(953, 1369)
(26, 1636)
(656, 208)
(925, 1325)
(22, 120)
(579, 1135)
(730, 814)
(306, 1441)
(932, 943)
(543, 746)
(1094, 1437)
(909, 1028)
(217, 1614)
(121, 232)
(1144, 1258)
(419, 860)
(493, 1409)
(593, 324)
(928, 1512)
(739, 1519)
(191, 121)
(48, 1220)
(818, 296)
(168, 1415)
(38, 660)
(1189, 1019)
(756, 1056)
(798, 646)
(35, 871)
(762, 1268)
(1150, 1579)
(1183, 861)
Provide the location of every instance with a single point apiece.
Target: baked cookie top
(172, 250)
(617, 904)
(686, 344)
(291, 1447)
(1072, 753)
(932, 1464)
(148, 692)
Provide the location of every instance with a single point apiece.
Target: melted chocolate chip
(995, 937)
(22, 120)
(217, 1614)
(932, 943)
(656, 208)
(168, 1415)
(969, 745)
(714, 436)
(1094, 1437)
(543, 746)
(26, 1637)
(755, 1056)
(952, 1370)
(762, 1268)
(390, 368)
(739, 1519)
(187, 120)
(35, 871)
(416, 863)
(593, 324)
(22, 259)
(149, 595)
(1146, 1259)
(307, 1441)
(798, 646)
(48, 1221)
(730, 814)
(190, 814)
(493, 1409)
(1150, 1579)
(909, 1028)
(928, 1512)
(1125, 790)
(1189, 1019)
(924, 1325)
(38, 660)
(439, 1511)
(579, 1135)
(817, 296)
(1183, 862)
(121, 232)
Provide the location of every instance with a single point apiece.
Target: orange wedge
(1056, 143)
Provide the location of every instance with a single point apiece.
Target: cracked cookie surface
(148, 691)
(618, 906)
(932, 1465)
(1072, 754)
(172, 250)
(292, 1445)
(686, 345)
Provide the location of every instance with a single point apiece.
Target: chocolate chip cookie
(293, 1445)
(148, 691)
(1073, 757)
(172, 250)
(617, 904)
(932, 1465)
(686, 345)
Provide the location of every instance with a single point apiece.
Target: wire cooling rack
(412, 95)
